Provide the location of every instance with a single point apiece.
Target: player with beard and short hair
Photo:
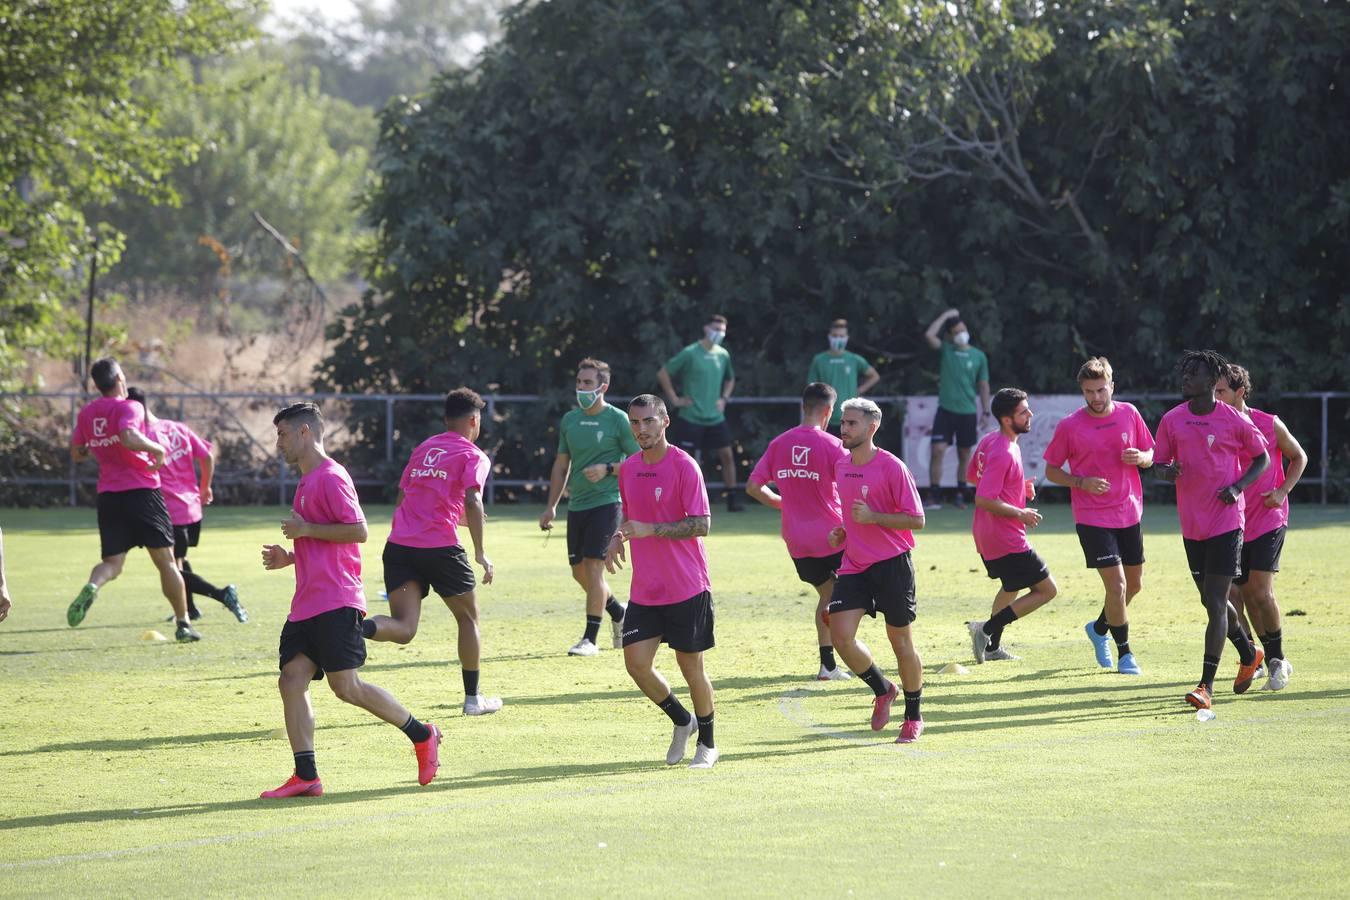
(882, 512)
(185, 496)
(1200, 446)
(1266, 520)
(1002, 518)
(666, 515)
(800, 462)
(322, 634)
(442, 483)
(1105, 443)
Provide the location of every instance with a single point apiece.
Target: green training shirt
(601, 438)
(840, 371)
(961, 371)
(698, 375)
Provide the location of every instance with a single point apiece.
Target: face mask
(961, 338)
(714, 337)
(586, 399)
(838, 343)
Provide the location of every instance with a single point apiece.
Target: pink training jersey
(327, 574)
(178, 478)
(996, 471)
(99, 427)
(884, 484)
(801, 462)
(665, 571)
(1213, 451)
(438, 473)
(1261, 519)
(1092, 446)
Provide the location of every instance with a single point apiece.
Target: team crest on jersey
(1209, 440)
(599, 435)
(864, 491)
(433, 456)
(801, 456)
(658, 495)
(1125, 438)
(100, 427)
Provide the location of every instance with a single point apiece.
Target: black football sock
(672, 707)
(1001, 619)
(1121, 635)
(615, 609)
(592, 628)
(827, 658)
(1274, 644)
(993, 640)
(305, 767)
(912, 699)
(367, 629)
(875, 680)
(470, 682)
(1207, 672)
(1100, 626)
(1243, 644)
(196, 584)
(705, 730)
(415, 730)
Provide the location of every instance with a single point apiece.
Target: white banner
(1047, 410)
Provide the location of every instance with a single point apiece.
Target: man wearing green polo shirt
(841, 370)
(592, 440)
(964, 373)
(706, 382)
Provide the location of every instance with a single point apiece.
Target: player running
(666, 515)
(442, 483)
(800, 462)
(1200, 447)
(322, 634)
(131, 510)
(1266, 514)
(882, 512)
(1002, 518)
(185, 496)
(592, 440)
(1105, 443)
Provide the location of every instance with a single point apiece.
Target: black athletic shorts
(445, 569)
(136, 518)
(954, 428)
(885, 587)
(1018, 571)
(691, 438)
(1262, 554)
(331, 640)
(816, 570)
(589, 532)
(1104, 548)
(1219, 555)
(686, 626)
(185, 536)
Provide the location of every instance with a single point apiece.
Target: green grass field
(133, 767)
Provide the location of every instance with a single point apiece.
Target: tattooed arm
(688, 527)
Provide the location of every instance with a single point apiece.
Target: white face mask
(838, 343)
(961, 338)
(714, 336)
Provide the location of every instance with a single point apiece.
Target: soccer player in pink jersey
(322, 634)
(800, 462)
(1105, 443)
(1200, 447)
(666, 515)
(131, 510)
(185, 497)
(442, 484)
(1267, 518)
(882, 510)
(1000, 525)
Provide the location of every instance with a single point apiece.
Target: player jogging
(800, 462)
(442, 484)
(131, 510)
(882, 510)
(185, 496)
(1105, 443)
(592, 440)
(1266, 517)
(1000, 525)
(1200, 447)
(666, 515)
(322, 634)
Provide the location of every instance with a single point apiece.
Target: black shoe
(734, 502)
(231, 602)
(960, 500)
(186, 634)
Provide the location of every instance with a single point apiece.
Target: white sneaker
(481, 706)
(979, 641)
(616, 628)
(838, 673)
(679, 741)
(704, 757)
(1280, 670)
(584, 648)
(1001, 653)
